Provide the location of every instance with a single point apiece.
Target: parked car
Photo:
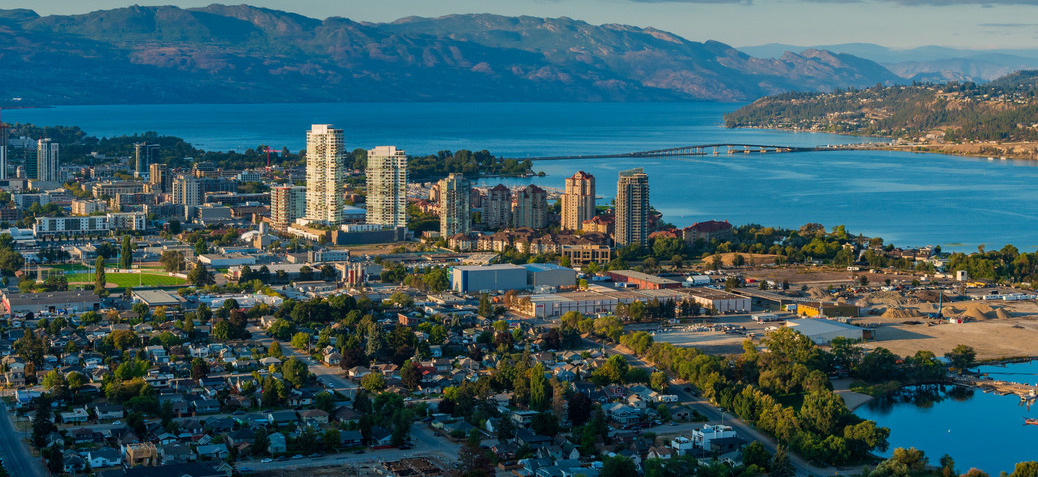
(267, 460)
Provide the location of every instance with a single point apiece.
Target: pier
(1026, 392)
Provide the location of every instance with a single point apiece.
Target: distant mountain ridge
(936, 64)
(240, 53)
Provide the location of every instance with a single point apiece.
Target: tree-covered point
(77, 147)
(1003, 110)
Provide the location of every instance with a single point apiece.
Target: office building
(187, 191)
(144, 154)
(455, 215)
(47, 161)
(530, 208)
(578, 201)
(387, 186)
(287, 203)
(325, 174)
(158, 178)
(632, 208)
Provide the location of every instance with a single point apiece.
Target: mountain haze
(240, 53)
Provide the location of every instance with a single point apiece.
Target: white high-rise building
(287, 203)
(387, 186)
(3, 150)
(325, 174)
(47, 161)
(187, 191)
(578, 203)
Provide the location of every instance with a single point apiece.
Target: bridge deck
(695, 150)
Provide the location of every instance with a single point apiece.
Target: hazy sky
(895, 23)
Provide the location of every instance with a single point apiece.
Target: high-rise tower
(455, 197)
(144, 155)
(632, 208)
(387, 186)
(47, 161)
(325, 174)
(578, 202)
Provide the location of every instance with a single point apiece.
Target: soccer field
(130, 279)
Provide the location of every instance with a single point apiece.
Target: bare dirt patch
(992, 339)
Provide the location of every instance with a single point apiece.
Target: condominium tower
(187, 191)
(47, 161)
(632, 208)
(3, 150)
(158, 178)
(497, 210)
(578, 202)
(144, 155)
(387, 186)
(455, 216)
(287, 203)
(530, 208)
(325, 174)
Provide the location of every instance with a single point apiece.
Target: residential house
(212, 452)
(103, 457)
(107, 411)
(276, 443)
(175, 454)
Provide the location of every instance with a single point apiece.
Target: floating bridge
(696, 150)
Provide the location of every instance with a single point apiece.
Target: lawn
(70, 267)
(130, 279)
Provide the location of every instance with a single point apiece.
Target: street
(17, 459)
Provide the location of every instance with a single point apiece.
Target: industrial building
(823, 331)
(719, 301)
(550, 275)
(643, 281)
(491, 277)
(78, 300)
(827, 309)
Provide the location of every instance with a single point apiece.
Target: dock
(1026, 392)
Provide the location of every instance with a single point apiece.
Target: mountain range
(935, 64)
(233, 54)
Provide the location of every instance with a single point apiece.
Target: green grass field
(130, 279)
(70, 267)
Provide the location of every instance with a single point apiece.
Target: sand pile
(816, 292)
(900, 313)
(887, 298)
(974, 314)
(1002, 314)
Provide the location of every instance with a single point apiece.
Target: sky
(977, 24)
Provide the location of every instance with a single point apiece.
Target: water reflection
(923, 397)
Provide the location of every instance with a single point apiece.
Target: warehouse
(719, 301)
(643, 281)
(52, 302)
(823, 331)
(550, 275)
(476, 278)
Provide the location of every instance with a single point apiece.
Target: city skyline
(894, 23)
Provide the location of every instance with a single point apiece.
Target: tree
(99, 276)
(295, 371)
(410, 375)
(172, 260)
(781, 466)
(275, 349)
(485, 309)
(579, 409)
(199, 276)
(659, 381)
(618, 466)
(824, 412)
(754, 453)
(962, 357)
(199, 369)
(374, 382)
(301, 341)
(538, 388)
(126, 254)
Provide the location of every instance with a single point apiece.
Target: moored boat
(1030, 420)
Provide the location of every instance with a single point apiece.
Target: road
(714, 415)
(328, 375)
(17, 458)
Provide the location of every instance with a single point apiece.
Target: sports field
(129, 279)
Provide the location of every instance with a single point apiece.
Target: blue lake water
(908, 199)
(976, 429)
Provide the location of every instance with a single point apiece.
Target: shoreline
(1021, 150)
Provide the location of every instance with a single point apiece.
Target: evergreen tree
(99, 276)
(126, 254)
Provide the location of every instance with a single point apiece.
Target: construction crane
(268, 151)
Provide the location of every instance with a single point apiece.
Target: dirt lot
(992, 339)
(823, 276)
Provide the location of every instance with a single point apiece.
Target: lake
(976, 429)
(906, 198)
